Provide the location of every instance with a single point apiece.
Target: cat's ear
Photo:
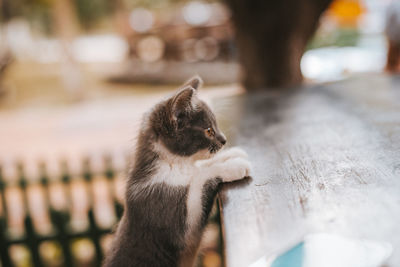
(182, 102)
(195, 82)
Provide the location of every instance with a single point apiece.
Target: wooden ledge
(326, 159)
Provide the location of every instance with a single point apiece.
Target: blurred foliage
(90, 12)
(154, 3)
(39, 12)
(149, 3)
(36, 11)
(25, 8)
(339, 37)
(344, 14)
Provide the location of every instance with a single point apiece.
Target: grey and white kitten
(173, 183)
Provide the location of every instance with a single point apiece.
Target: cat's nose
(221, 138)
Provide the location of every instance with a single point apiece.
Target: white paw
(230, 153)
(235, 169)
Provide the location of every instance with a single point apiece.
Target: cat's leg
(200, 201)
(231, 169)
(204, 187)
(222, 156)
(206, 180)
(232, 152)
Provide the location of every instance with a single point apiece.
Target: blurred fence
(36, 230)
(61, 234)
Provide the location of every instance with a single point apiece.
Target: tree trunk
(5, 10)
(271, 36)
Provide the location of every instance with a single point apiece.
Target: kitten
(173, 183)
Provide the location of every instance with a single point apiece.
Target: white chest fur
(184, 172)
(194, 171)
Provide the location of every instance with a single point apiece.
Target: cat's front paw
(231, 153)
(235, 169)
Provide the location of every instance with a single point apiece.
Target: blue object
(291, 258)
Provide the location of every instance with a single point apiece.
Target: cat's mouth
(214, 148)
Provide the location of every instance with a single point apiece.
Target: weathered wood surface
(325, 158)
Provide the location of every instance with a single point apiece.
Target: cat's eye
(209, 132)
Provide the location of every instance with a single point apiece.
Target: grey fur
(152, 230)
(210, 190)
(195, 82)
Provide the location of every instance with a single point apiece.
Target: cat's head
(185, 125)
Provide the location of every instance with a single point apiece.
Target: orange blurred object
(346, 12)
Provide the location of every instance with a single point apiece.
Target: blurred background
(75, 79)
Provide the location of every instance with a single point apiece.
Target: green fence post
(4, 256)
(60, 221)
(61, 218)
(44, 181)
(66, 180)
(109, 173)
(94, 231)
(31, 237)
(3, 195)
